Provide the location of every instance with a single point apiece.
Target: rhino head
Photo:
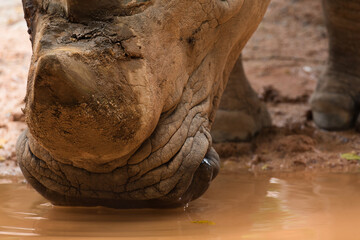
(121, 97)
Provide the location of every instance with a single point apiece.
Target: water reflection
(238, 206)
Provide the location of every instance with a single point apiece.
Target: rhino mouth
(185, 177)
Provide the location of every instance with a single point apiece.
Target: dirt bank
(283, 61)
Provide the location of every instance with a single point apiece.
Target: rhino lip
(32, 166)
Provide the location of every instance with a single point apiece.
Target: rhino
(122, 95)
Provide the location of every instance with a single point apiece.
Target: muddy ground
(283, 60)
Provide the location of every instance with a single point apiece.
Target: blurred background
(15, 54)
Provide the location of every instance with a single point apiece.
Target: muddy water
(238, 206)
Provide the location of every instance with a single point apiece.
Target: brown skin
(335, 102)
(122, 95)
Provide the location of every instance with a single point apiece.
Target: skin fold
(122, 95)
(336, 99)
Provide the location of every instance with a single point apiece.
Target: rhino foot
(240, 125)
(335, 103)
(241, 114)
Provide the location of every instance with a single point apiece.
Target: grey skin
(335, 102)
(122, 94)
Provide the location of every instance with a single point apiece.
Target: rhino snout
(77, 116)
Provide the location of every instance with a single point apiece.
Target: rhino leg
(241, 114)
(335, 103)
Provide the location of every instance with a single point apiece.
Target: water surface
(237, 206)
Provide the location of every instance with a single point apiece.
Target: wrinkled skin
(122, 94)
(336, 100)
